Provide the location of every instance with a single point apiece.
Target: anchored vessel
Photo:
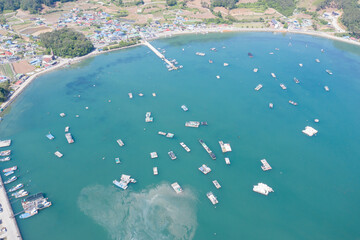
(8, 173)
(20, 194)
(283, 86)
(58, 154)
(273, 75)
(176, 187)
(212, 198)
(148, 117)
(193, 124)
(217, 184)
(262, 188)
(185, 147)
(271, 105)
(69, 138)
(124, 181)
(130, 95)
(326, 88)
(5, 153)
(17, 187)
(67, 128)
(155, 171)
(10, 169)
(208, 150)
(329, 72)
(296, 80)
(184, 108)
(120, 142)
(162, 133)
(5, 143)
(32, 204)
(227, 161)
(170, 135)
(250, 55)
(256, 70)
(204, 169)
(225, 147)
(293, 103)
(258, 87)
(10, 180)
(153, 155)
(5, 159)
(172, 155)
(50, 136)
(265, 165)
(310, 131)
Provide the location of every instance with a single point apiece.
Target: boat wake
(154, 213)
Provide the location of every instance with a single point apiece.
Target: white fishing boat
(212, 198)
(184, 108)
(154, 94)
(5, 153)
(255, 70)
(172, 155)
(170, 135)
(204, 169)
(155, 171)
(262, 188)
(124, 181)
(273, 75)
(117, 160)
(5, 143)
(218, 77)
(271, 105)
(5, 159)
(162, 133)
(225, 147)
(265, 165)
(176, 187)
(69, 138)
(283, 86)
(58, 154)
(185, 147)
(326, 88)
(293, 103)
(153, 155)
(227, 161)
(120, 142)
(62, 114)
(301, 65)
(67, 128)
(317, 60)
(148, 117)
(130, 95)
(258, 87)
(200, 54)
(193, 124)
(226, 64)
(310, 131)
(216, 184)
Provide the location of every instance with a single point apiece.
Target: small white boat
(204, 169)
(212, 198)
(153, 155)
(227, 161)
(262, 188)
(271, 105)
(58, 154)
(62, 114)
(67, 128)
(317, 60)
(301, 65)
(5, 143)
(258, 87)
(218, 77)
(226, 64)
(185, 147)
(326, 88)
(216, 184)
(282, 86)
(273, 75)
(256, 70)
(154, 94)
(176, 187)
(155, 171)
(130, 95)
(120, 142)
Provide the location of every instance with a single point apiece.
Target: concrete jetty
(7, 217)
(146, 43)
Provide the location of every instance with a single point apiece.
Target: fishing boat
(170, 135)
(8, 173)
(172, 155)
(124, 181)
(216, 184)
(250, 55)
(155, 171)
(255, 70)
(271, 53)
(213, 49)
(200, 54)
(176, 187)
(5, 143)
(225, 147)
(193, 124)
(154, 94)
(10, 180)
(212, 198)
(5, 153)
(184, 108)
(69, 138)
(120, 142)
(296, 80)
(9, 169)
(310, 131)
(317, 60)
(258, 87)
(148, 117)
(329, 72)
(262, 188)
(210, 61)
(218, 77)
(301, 65)
(162, 133)
(5, 159)
(62, 115)
(17, 187)
(265, 165)
(203, 123)
(50, 136)
(141, 94)
(67, 129)
(153, 155)
(283, 86)
(185, 147)
(204, 169)
(326, 88)
(58, 154)
(28, 214)
(293, 103)
(117, 160)
(271, 105)
(208, 150)
(130, 95)
(227, 161)
(273, 75)
(226, 64)
(20, 194)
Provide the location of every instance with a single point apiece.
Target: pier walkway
(7, 217)
(146, 43)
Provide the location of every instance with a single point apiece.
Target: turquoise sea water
(316, 180)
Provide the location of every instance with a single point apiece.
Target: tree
(4, 90)
(171, 2)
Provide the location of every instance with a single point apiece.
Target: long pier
(7, 216)
(146, 43)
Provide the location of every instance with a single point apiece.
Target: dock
(160, 55)
(7, 216)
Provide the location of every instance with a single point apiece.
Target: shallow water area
(315, 179)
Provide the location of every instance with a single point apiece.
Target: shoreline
(7, 216)
(220, 29)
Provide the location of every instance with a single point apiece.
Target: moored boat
(28, 214)
(58, 154)
(204, 169)
(271, 105)
(326, 88)
(296, 80)
(69, 138)
(172, 155)
(176, 187)
(283, 86)
(258, 87)
(193, 124)
(155, 171)
(212, 198)
(117, 160)
(293, 103)
(5, 143)
(50, 136)
(184, 108)
(5, 159)
(5, 153)
(9, 169)
(17, 187)
(8, 173)
(216, 184)
(130, 95)
(262, 188)
(329, 72)
(250, 54)
(227, 161)
(10, 180)
(185, 147)
(120, 142)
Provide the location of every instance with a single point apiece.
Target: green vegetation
(351, 16)
(122, 13)
(122, 44)
(66, 43)
(34, 6)
(229, 4)
(6, 69)
(285, 7)
(171, 2)
(4, 91)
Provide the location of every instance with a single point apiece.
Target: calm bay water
(316, 179)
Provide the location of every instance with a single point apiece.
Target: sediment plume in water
(154, 213)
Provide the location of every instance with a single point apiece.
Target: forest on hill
(34, 6)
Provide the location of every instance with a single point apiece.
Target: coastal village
(21, 57)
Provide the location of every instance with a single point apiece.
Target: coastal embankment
(9, 228)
